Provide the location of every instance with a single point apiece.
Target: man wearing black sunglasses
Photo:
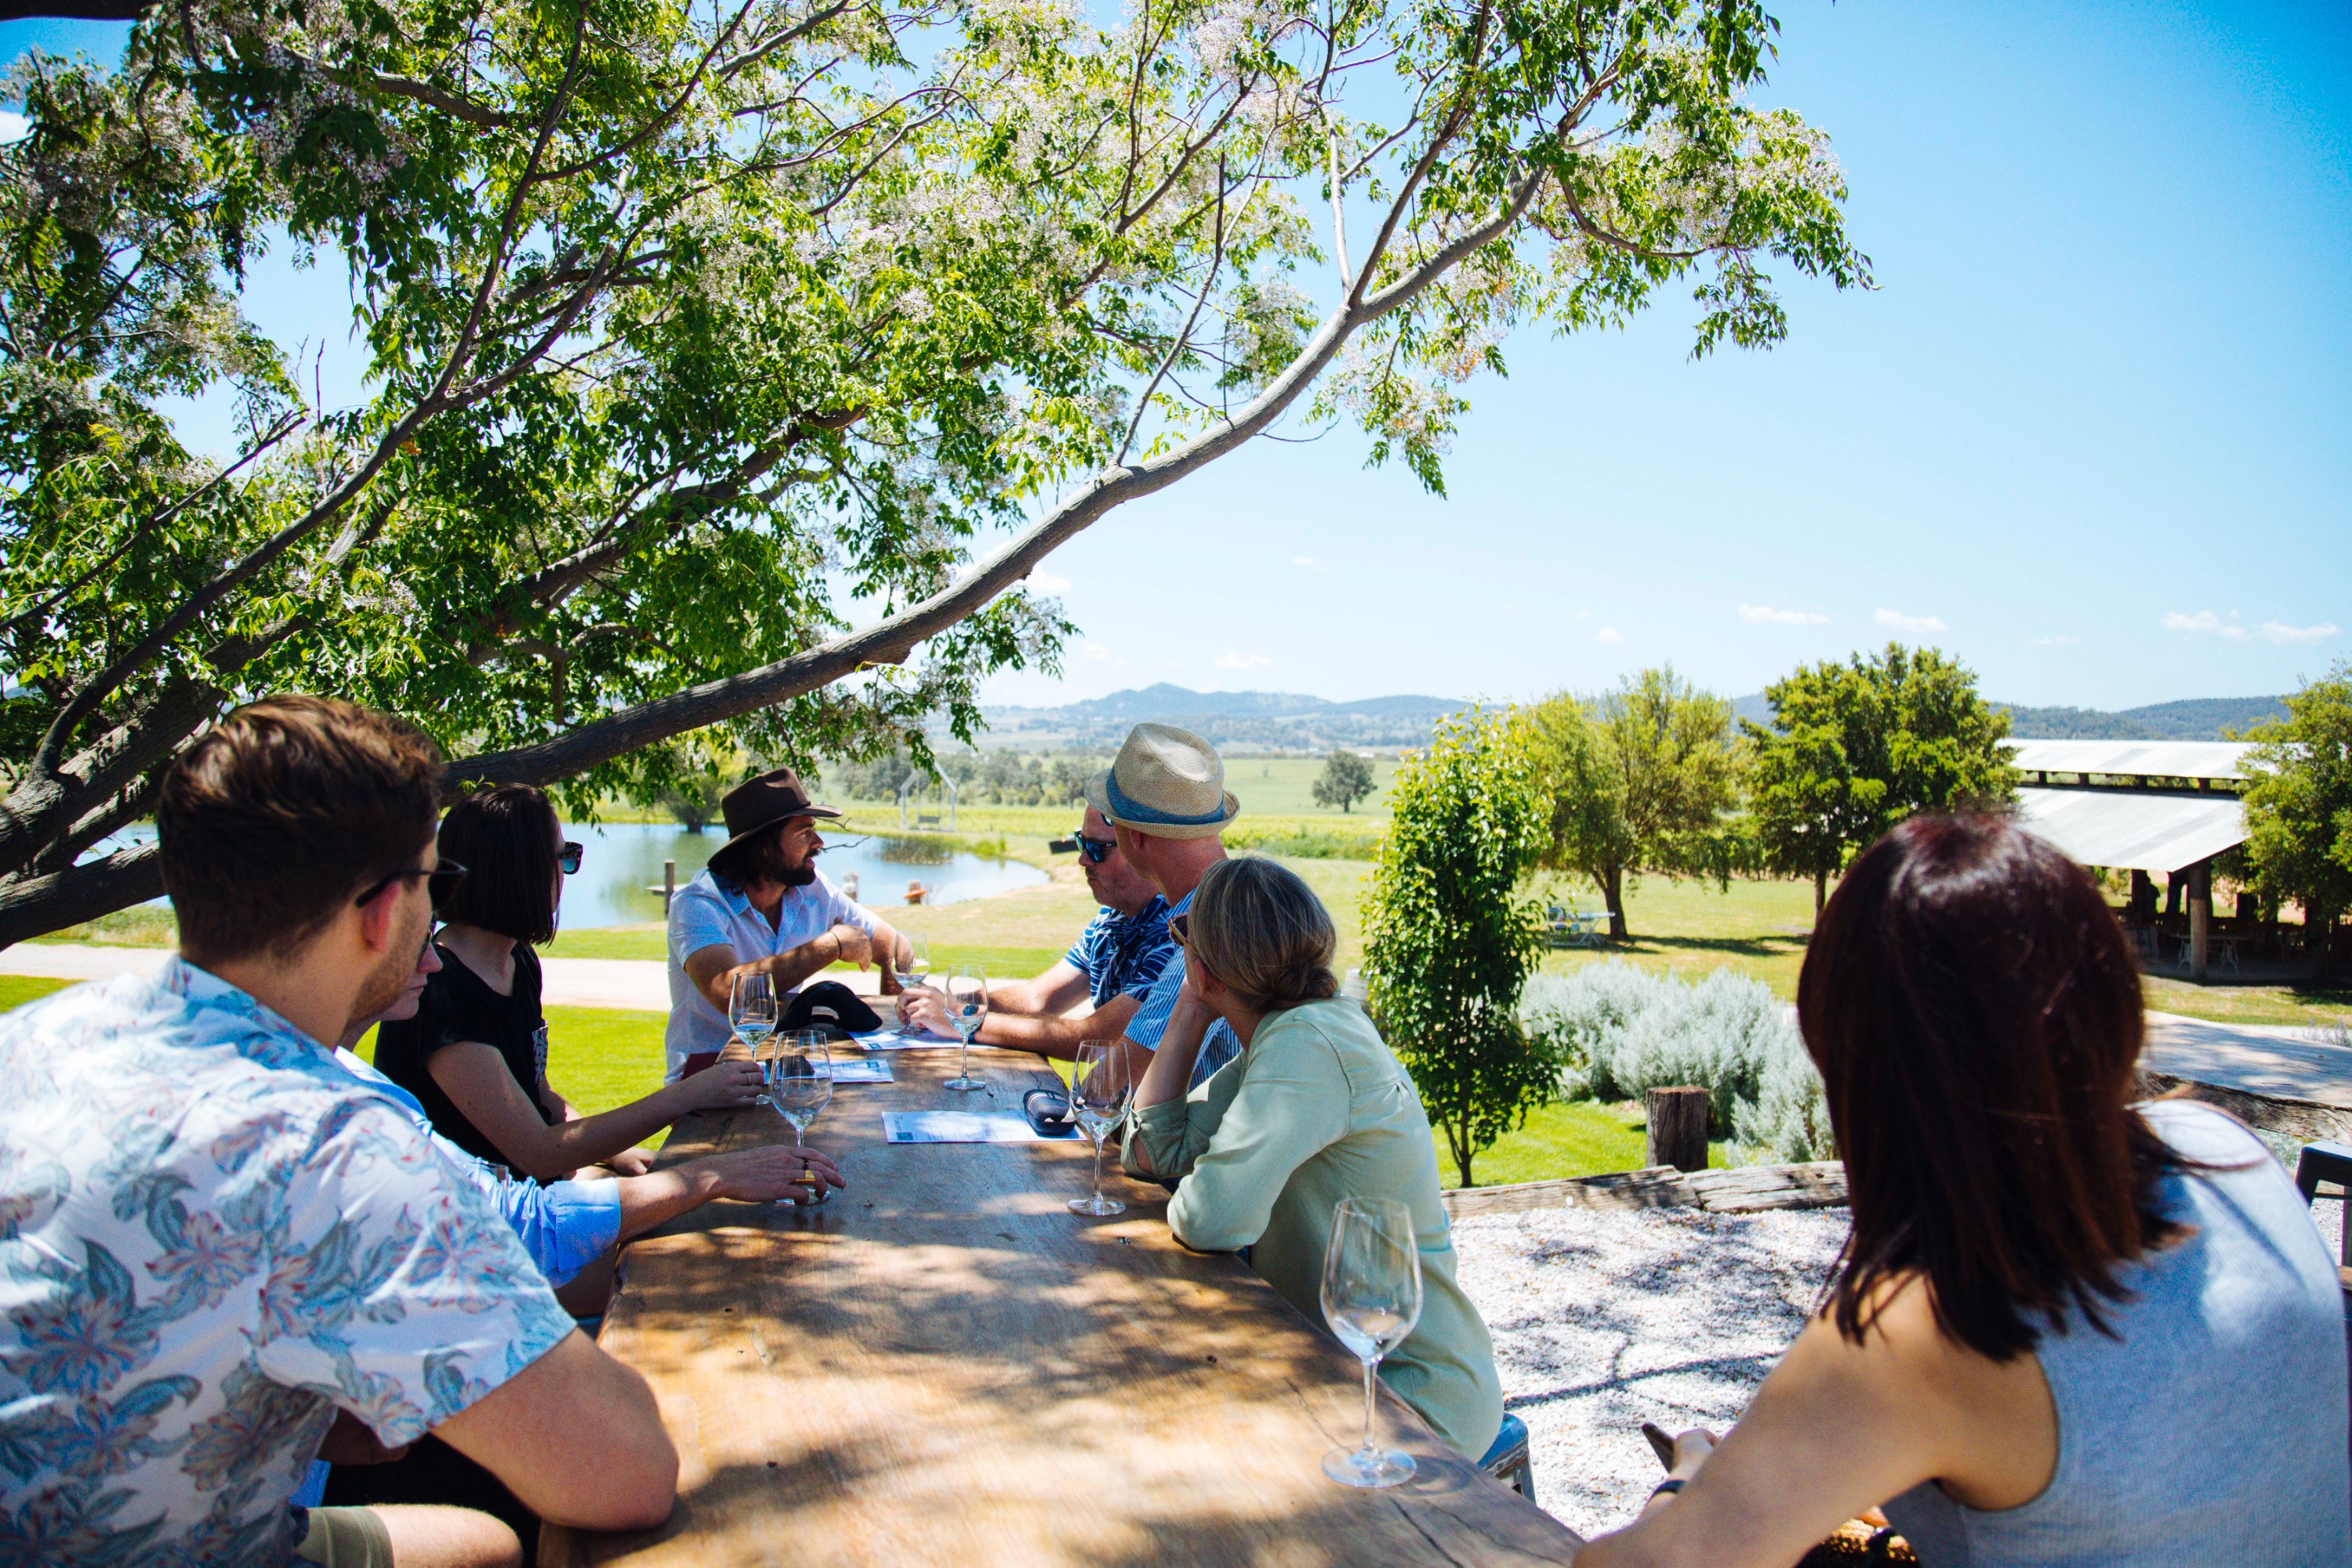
(1112, 964)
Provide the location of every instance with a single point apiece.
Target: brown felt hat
(766, 800)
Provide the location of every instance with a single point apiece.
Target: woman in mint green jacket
(1315, 1108)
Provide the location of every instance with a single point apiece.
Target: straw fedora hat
(1167, 781)
(768, 798)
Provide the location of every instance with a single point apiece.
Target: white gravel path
(1603, 1320)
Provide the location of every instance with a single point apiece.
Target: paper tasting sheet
(960, 1127)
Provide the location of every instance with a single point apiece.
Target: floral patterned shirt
(211, 1238)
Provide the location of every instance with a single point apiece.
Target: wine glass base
(1368, 1466)
(965, 1084)
(1095, 1203)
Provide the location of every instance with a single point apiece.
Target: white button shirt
(704, 914)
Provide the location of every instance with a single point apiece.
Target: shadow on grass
(1766, 946)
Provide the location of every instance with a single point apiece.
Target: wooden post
(669, 885)
(2142, 899)
(1677, 1128)
(2201, 919)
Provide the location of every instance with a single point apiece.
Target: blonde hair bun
(1261, 930)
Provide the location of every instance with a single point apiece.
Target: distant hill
(2195, 719)
(1265, 720)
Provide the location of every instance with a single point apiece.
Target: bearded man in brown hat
(761, 906)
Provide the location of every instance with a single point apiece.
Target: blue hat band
(1127, 810)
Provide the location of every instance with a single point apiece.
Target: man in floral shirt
(213, 1239)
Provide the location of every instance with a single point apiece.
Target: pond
(621, 873)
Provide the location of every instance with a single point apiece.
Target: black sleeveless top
(458, 1004)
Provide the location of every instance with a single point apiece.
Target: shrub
(1620, 1031)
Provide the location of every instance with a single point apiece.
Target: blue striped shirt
(1121, 955)
(1218, 1046)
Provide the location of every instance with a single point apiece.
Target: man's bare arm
(712, 969)
(577, 1437)
(1057, 1037)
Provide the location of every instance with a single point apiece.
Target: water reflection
(620, 877)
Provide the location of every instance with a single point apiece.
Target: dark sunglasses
(569, 858)
(439, 882)
(1181, 928)
(1094, 851)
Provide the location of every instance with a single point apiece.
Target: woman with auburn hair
(1315, 1108)
(475, 1055)
(2065, 1329)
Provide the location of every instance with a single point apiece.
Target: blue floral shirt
(211, 1238)
(1121, 955)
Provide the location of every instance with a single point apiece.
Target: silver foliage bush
(1620, 1031)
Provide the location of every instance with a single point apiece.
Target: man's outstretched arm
(577, 1437)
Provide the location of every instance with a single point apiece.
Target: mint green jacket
(1315, 1109)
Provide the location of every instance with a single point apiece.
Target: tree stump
(1678, 1128)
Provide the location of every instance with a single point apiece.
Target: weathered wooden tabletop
(945, 1365)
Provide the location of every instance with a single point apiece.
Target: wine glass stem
(1368, 1405)
(796, 1134)
(1097, 1142)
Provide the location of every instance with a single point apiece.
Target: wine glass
(1099, 1092)
(915, 968)
(1371, 1299)
(752, 1009)
(799, 1075)
(967, 1010)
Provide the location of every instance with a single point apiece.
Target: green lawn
(16, 990)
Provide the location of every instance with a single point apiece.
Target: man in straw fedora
(761, 906)
(1166, 801)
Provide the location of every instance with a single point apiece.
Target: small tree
(1854, 748)
(1448, 943)
(2299, 806)
(1638, 780)
(1346, 779)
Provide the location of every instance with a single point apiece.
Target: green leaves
(2299, 802)
(1448, 941)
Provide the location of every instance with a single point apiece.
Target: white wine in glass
(1099, 1088)
(914, 967)
(967, 1010)
(1371, 1300)
(799, 1075)
(752, 1009)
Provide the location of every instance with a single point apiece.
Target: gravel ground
(1603, 1320)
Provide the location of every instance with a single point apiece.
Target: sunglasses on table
(439, 882)
(569, 858)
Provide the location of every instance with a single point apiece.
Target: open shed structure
(2145, 806)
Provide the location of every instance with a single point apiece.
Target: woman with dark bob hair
(2065, 1329)
(475, 1055)
(1315, 1108)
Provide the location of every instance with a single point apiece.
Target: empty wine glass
(967, 1010)
(752, 1009)
(1371, 1299)
(1099, 1092)
(799, 1075)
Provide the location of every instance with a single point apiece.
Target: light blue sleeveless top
(2215, 1430)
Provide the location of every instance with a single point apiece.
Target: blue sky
(2093, 434)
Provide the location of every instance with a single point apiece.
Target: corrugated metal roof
(2160, 759)
(2136, 832)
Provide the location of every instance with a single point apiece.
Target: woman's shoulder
(1334, 1024)
(2202, 1132)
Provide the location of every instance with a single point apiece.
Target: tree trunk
(1677, 1132)
(2319, 926)
(1612, 891)
(1820, 891)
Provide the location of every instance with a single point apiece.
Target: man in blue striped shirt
(1114, 963)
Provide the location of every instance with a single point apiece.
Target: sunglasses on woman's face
(439, 882)
(1094, 851)
(569, 858)
(1181, 928)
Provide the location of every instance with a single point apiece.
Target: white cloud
(1609, 634)
(1584, 615)
(1243, 661)
(2301, 636)
(2051, 642)
(1308, 561)
(2206, 623)
(1094, 652)
(13, 126)
(1766, 616)
(1046, 582)
(1897, 621)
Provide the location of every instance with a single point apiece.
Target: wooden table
(945, 1365)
